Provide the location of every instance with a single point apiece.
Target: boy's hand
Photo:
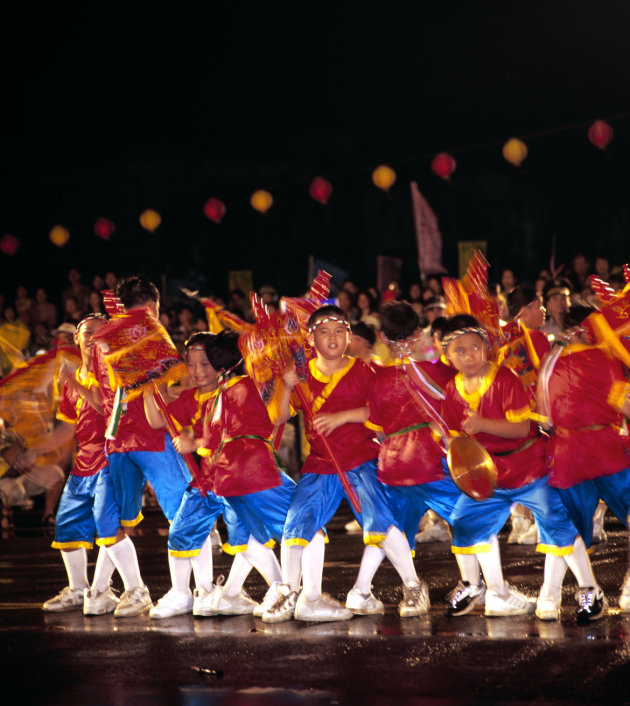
(184, 444)
(474, 424)
(290, 378)
(324, 424)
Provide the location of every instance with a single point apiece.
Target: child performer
(489, 403)
(339, 387)
(584, 394)
(87, 508)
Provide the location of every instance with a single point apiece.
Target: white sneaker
(510, 602)
(353, 527)
(530, 536)
(202, 602)
(415, 601)
(95, 603)
(624, 598)
(67, 599)
(232, 605)
(133, 602)
(322, 610)
(434, 532)
(270, 598)
(361, 604)
(284, 607)
(548, 607)
(599, 534)
(520, 525)
(171, 604)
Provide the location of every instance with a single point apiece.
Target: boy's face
(533, 315)
(83, 337)
(330, 339)
(467, 354)
(359, 347)
(200, 370)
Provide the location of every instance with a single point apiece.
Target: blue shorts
(581, 500)
(193, 522)
(86, 509)
(410, 502)
(317, 498)
(165, 471)
(476, 522)
(263, 514)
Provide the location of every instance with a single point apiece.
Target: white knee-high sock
(397, 550)
(102, 571)
(491, 566)
(313, 567)
(468, 568)
(580, 564)
(125, 559)
(202, 566)
(239, 571)
(75, 562)
(370, 561)
(264, 560)
(291, 559)
(180, 568)
(555, 569)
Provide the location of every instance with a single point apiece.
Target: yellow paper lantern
(150, 219)
(384, 177)
(59, 235)
(515, 151)
(261, 201)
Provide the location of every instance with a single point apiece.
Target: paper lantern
(104, 228)
(9, 244)
(384, 177)
(214, 210)
(261, 201)
(515, 151)
(600, 133)
(59, 235)
(150, 220)
(320, 190)
(443, 165)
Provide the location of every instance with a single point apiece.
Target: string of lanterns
(443, 165)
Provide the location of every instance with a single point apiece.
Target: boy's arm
(152, 411)
(327, 423)
(474, 424)
(289, 381)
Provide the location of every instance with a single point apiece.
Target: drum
(472, 468)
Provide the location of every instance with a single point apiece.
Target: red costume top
(501, 395)
(351, 443)
(134, 431)
(522, 352)
(409, 455)
(237, 454)
(90, 428)
(585, 391)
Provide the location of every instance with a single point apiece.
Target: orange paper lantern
(600, 133)
(214, 209)
(104, 228)
(320, 190)
(150, 220)
(261, 201)
(59, 236)
(515, 151)
(384, 177)
(443, 165)
(9, 244)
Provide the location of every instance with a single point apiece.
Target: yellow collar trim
(398, 361)
(88, 381)
(331, 381)
(474, 398)
(201, 399)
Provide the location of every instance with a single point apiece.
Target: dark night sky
(109, 111)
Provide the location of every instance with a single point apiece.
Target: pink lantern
(9, 244)
(104, 228)
(443, 165)
(320, 190)
(600, 133)
(214, 210)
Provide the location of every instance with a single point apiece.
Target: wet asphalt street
(72, 659)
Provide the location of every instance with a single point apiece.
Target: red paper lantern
(9, 244)
(104, 228)
(600, 133)
(443, 165)
(214, 210)
(320, 190)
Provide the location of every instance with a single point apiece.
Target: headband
(328, 319)
(405, 344)
(89, 317)
(558, 290)
(449, 337)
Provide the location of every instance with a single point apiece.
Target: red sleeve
(515, 400)
(67, 411)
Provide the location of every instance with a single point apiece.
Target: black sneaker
(591, 604)
(464, 597)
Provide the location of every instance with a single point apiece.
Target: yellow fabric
(555, 551)
(62, 418)
(132, 523)
(617, 394)
(518, 415)
(331, 381)
(233, 549)
(373, 427)
(474, 398)
(71, 545)
(105, 541)
(184, 554)
(475, 549)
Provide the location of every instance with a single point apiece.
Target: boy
(339, 387)
(489, 403)
(583, 392)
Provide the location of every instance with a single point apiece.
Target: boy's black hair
(223, 352)
(364, 330)
(576, 315)
(399, 320)
(326, 310)
(438, 325)
(520, 297)
(457, 322)
(200, 338)
(136, 290)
